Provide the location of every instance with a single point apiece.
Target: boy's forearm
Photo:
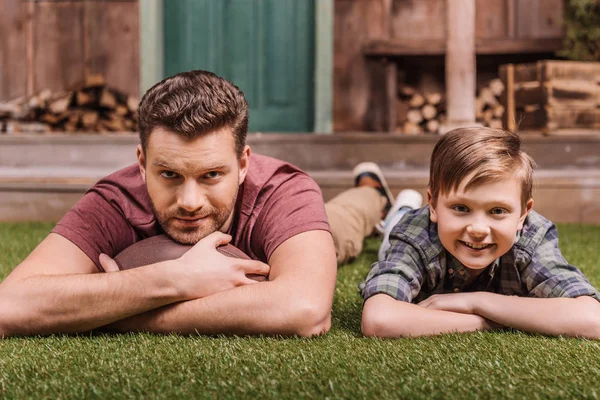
(552, 316)
(384, 316)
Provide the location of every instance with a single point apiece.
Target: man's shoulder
(125, 190)
(264, 167)
(267, 174)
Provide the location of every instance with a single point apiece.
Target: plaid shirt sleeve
(548, 274)
(402, 273)
(398, 275)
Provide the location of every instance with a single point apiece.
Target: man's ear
(528, 208)
(244, 164)
(432, 213)
(141, 161)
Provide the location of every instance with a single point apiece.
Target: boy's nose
(478, 229)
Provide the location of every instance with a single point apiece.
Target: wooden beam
(424, 47)
(323, 103)
(460, 63)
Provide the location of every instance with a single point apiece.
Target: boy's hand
(463, 303)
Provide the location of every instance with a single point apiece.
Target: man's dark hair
(194, 103)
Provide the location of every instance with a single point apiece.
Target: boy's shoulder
(536, 228)
(416, 229)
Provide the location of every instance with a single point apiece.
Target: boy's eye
(168, 174)
(498, 211)
(460, 208)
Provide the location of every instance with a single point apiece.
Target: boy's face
(480, 224)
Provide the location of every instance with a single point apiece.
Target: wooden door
(265, 47)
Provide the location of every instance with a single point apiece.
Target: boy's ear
(141, 161)
(432, 213)
(528, 208)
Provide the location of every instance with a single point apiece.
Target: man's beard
(216, 219)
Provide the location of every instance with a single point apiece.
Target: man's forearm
(384, 316)
(552, 316)
(263, 308)
(80, 302)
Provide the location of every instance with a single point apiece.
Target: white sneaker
(408, 198)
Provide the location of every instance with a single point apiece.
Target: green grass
(340, 365)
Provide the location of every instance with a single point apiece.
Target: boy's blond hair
(486, 154)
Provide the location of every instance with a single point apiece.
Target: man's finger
(108, 263)
(255, 267)
(256, 278)
(217, 239)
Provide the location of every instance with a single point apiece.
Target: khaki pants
(352, 216)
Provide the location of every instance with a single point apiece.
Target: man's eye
(460, 208)
(168, 174)
(213, 174)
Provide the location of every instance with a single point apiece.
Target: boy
(477, 257)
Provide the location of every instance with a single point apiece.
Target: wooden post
(460, 63)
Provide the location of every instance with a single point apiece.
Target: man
(196, 181)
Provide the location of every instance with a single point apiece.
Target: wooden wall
(358, 21)
(56, 44)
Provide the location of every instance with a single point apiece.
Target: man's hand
(463, 303)
(205, 271)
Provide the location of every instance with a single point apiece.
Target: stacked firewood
(488, 109)
(90, 107)
(419, 112)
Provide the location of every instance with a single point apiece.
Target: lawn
(342, 364)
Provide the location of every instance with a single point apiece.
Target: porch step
(39, 193)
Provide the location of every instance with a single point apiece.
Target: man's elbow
(590, 308)
(311, 319)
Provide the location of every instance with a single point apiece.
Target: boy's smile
(480, 224)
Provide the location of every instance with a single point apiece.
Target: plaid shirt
(417, 266)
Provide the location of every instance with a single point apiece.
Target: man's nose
(191, 197)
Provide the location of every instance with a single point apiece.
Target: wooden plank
(576, 118)
(571, 70)
(418, 19)
(490, 19)
(516, 46)
(540, 18)
(407, 47)
(571, 93)
(460, 62)
(529, 93)
(355, 23)
(112, 43)
(13, 49)
(511, 18)
(507, 99)
(58, 45)
(391, 95)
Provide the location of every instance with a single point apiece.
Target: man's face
(479, 225)
(192, 183)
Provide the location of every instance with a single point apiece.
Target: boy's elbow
(376, 319)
